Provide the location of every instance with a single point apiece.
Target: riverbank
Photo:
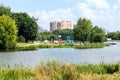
(35, 46)
(57, 71)
(113, 41)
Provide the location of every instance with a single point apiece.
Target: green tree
(46, 36)
(8, 33)
(56, 32)
(20, 39)
(98, 34)
(5, 10)
(82, 32)
(114, 35)
(27, 26)
(53, 37)
(64, 33)
(67, 32)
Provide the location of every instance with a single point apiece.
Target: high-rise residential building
(61, 25)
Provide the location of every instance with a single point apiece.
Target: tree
(5, 10)
(27, 26)
(56, 32)
(20, 39)
(8, 33)
(97, 35)
(67, 32)
(47, 36)
(53, 37)
(82, 32)
(64, 33)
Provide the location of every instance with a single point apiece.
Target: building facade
(61, 25)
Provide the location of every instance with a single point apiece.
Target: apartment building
(57, 25)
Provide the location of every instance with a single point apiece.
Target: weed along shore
(32, 46)
(57, 71)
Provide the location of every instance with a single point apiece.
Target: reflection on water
(77, 56)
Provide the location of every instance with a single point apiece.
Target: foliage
(5, 10)
(44, 36)
(64, 33)
(20, 39)
(27, 26)
(26, 48)
(92, 45)
(98, 35)
(16, 74)
(114, 35)
(47, 36)
(34, 46)
(54, 35)
(54, 70)
(99, 68)
(8, 33)
(83, 30)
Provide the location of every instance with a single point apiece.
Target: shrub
(8, 33)
(21, 39)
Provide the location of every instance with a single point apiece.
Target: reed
(62, 71)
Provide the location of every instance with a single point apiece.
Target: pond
(108, 54)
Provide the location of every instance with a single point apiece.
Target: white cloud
(102, 4)
(61, 14)
(85, 11)
(100, 12)
(115, 7)
(118, 1)
(44, 16)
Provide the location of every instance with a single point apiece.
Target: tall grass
(98, 69)
(57, 71)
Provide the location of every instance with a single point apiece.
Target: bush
(98, 69)
(21, 39)
(8, 33)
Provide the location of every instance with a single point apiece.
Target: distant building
(61, 25)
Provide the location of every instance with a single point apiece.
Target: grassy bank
(92, 45)
(32, 46)
(58, 71)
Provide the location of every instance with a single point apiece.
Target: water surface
(109, 54)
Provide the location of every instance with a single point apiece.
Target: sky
(103, 13)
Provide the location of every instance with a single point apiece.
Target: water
(109, 54)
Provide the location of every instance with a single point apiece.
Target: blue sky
(104, 13)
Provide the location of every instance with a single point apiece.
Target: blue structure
(69, 40)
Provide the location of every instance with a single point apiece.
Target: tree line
(86, 32)
(114, 35)
(21, 27)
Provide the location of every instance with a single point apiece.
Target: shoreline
(30, 46)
